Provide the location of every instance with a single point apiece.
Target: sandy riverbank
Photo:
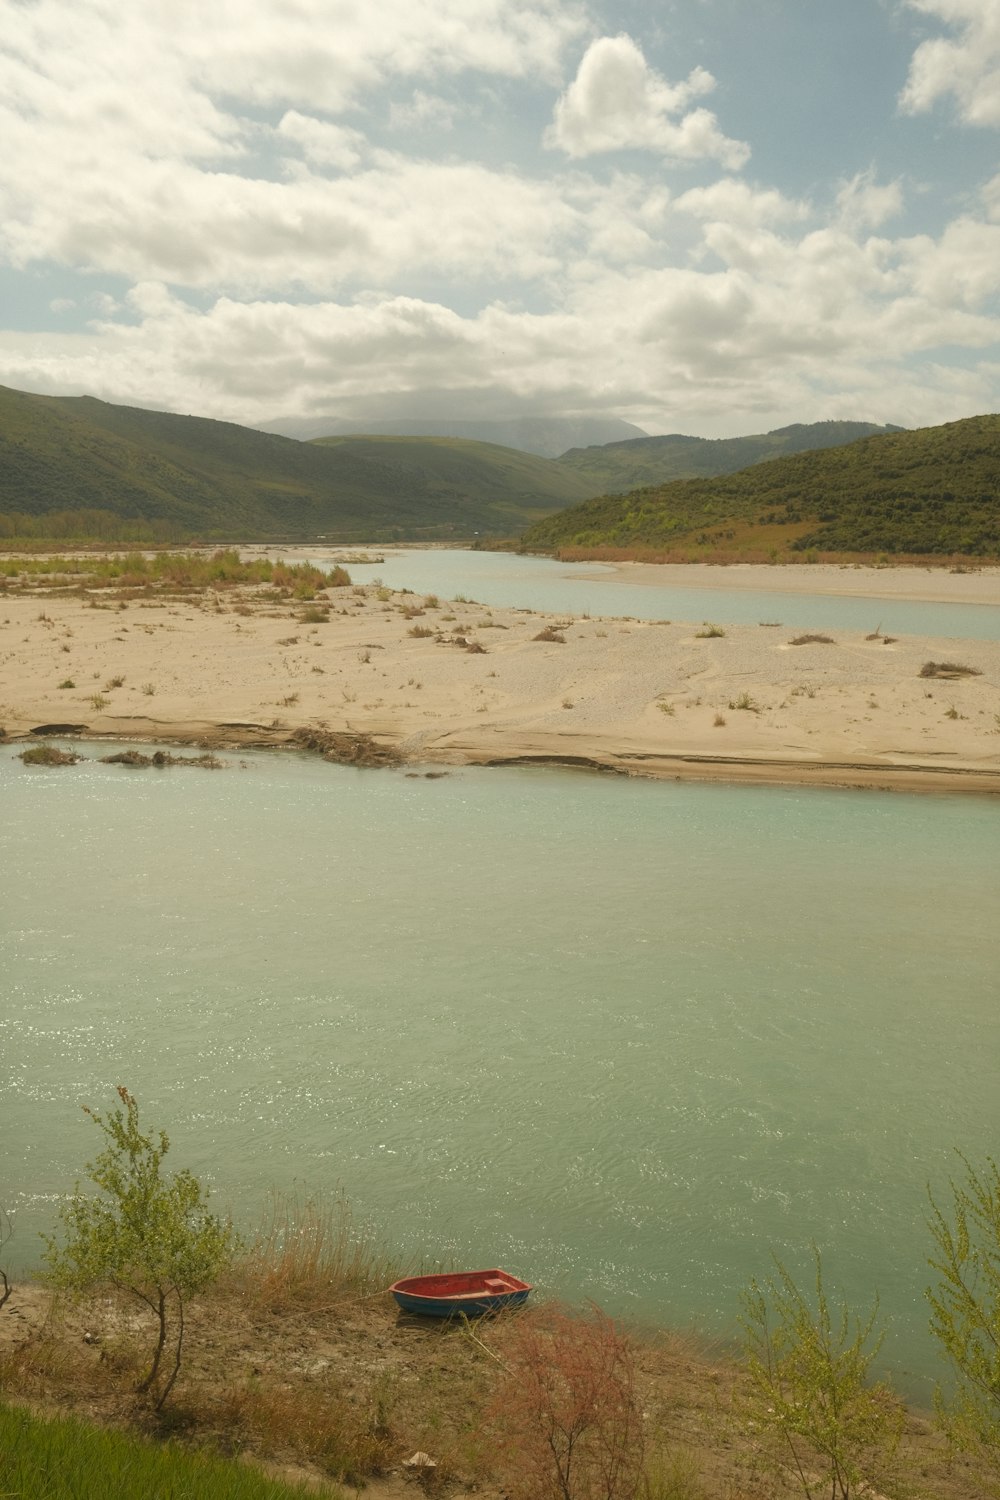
(651, 699)
(935, 585)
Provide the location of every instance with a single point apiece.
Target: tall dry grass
(309, 1252)
(315, 1422)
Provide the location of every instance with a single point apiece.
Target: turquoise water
(500, 579)
(626, 1038)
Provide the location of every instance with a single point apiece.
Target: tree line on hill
(77, 468)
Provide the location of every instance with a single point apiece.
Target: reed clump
(224, 569)
(309, 1252)
(48, 755)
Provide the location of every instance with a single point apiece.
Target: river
(628, 1039)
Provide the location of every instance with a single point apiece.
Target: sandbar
(446, 683)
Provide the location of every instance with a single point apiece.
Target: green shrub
(147, 1234)
(48, 755)
(808, 1388)
(965, 1308)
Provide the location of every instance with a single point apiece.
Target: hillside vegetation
(621, 466)
(74, 466)
(546, 436)
(935, 491)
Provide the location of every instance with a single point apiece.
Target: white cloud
(322, 143)
(864, 203)
(226, 164)
(422, 112)
(966, 65)
(617, 102)
(961, 270)
(732, 201)
(216, 229)
(134, 143)
(793, 319)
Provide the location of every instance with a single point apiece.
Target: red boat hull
(451, 1293)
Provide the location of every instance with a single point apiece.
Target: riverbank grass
(65, 1459)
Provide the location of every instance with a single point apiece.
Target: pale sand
(933, 584)
(634, 697)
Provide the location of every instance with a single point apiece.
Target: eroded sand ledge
(240, 668)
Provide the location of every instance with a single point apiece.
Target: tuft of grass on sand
(948, 669)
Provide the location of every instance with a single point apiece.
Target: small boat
(455, 1292)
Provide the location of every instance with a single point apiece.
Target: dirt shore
(441, 682)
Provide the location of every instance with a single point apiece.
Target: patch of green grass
(66, 1460)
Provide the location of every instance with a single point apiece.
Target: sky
(702, 216)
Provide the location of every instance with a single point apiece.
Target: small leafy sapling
(5, 1232)
(965, 1309)
(146, 1233)
(808, 1387)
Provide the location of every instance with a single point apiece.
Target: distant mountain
(621, 466)
(545, 436)
(180, 475)
(935, 491)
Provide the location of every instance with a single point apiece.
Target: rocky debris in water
(346, 749)
(58, 729)
(207, 761)
(48, 755)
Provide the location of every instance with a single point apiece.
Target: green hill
(546, 436)
(508, 481)
(932, 491)
(189, 476)
(620, 466)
